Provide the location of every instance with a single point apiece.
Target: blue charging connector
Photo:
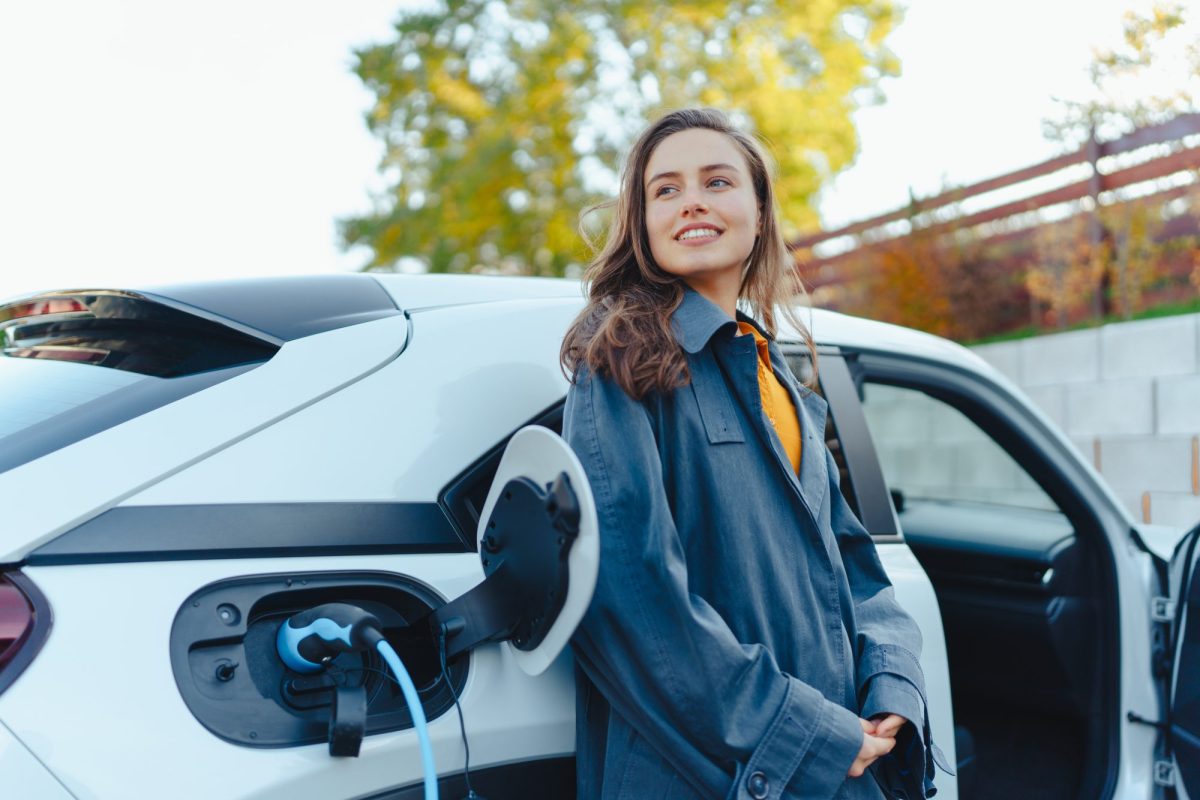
(308, 641)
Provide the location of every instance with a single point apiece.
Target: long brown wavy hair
(625, 330)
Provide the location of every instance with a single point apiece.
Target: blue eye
(663, 190)
(721, 181)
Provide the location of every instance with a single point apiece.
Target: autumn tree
(502, 121)
(1151, 75)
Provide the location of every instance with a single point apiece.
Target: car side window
(929, 450)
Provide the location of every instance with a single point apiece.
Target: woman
(743, 640)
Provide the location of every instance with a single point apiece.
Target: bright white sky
(146, 142)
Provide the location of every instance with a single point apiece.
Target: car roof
(287, 307)
(413, 292)
(829, 328)
(833, 329)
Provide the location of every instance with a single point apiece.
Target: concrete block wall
(1128, 396)
(929, 449)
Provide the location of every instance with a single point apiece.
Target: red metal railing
(922, 218)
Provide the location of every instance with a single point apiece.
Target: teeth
(697, 233)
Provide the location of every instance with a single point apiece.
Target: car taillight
(44, 306)
(16, 620)
(24, 623)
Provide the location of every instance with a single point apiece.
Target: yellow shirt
(776, 402)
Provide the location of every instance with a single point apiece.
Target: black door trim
(252, 530)
(862, 462)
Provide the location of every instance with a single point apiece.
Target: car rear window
(38, 390)
(74, 364)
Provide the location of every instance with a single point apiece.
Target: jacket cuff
(908, 771)
(810, 737)
(891, 694)
(890, 659)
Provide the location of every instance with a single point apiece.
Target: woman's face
(701, 211)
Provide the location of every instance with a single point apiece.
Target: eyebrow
(708, 168)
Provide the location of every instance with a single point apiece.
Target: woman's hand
(874, 744)
(888, 725)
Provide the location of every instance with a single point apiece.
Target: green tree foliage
(502, 121)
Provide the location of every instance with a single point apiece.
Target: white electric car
(182, 469)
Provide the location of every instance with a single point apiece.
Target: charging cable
(418, 715)
(308, 641)
(449, 628)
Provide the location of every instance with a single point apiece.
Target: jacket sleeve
(887, 648)
(664, 658)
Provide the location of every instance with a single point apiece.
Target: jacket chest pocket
(716, 406)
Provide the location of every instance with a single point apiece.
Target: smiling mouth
(698, 233)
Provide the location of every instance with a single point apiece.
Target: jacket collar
(696, 320)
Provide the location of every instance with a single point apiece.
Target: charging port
(225, 662)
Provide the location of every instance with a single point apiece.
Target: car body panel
(104, 469)
(915, 594)
(1139, 691)
(1160, 539)
(405, 431)
(511, 717)
(1184, 695)
(106, 661)
(19, 768)
(415, 292)
(830, 328)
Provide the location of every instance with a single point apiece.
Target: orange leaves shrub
(951, 287)
(1065, 270)
(1133, 256)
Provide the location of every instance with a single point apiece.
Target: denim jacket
(742, 621)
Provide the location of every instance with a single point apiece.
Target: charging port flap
(539, 545)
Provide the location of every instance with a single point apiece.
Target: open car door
(1181, 767)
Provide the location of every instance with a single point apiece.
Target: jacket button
(758, 785)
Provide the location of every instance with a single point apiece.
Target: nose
(694, 207)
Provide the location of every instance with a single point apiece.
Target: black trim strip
(252, 530)
(547, 777)
(272, 310)
(284, 308)
(866, 476)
